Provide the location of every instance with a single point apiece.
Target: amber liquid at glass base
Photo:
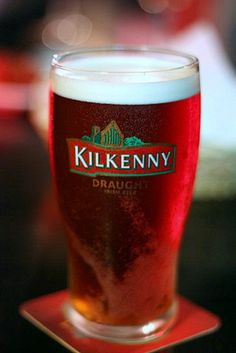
(124, 233)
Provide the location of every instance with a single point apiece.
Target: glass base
(122, 334)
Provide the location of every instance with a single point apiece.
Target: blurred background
(32, 251)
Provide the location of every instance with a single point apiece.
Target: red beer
(124, 156)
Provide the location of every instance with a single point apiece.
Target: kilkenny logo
(108, 152)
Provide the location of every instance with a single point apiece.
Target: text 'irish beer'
(107, 152)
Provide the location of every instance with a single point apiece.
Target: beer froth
(125, 79)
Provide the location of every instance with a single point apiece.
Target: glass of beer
(124, 136)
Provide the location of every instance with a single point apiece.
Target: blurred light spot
(179, 5)
(153, 6)
(67, 33)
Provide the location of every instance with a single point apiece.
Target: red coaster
(45, 313)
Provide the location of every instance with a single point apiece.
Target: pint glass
(124, 135)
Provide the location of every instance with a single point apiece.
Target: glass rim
(59, 58)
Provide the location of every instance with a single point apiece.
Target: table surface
(33, 263)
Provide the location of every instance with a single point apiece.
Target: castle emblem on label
(111, 136)
(108, 152)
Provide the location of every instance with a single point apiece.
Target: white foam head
(137, 77)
